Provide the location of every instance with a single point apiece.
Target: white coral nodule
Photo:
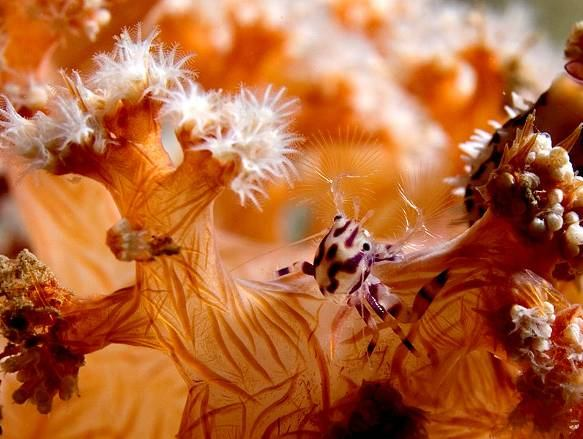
(534, 326)
(533, 322)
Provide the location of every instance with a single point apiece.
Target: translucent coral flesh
(277, 358)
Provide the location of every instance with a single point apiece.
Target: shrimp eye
(366, 246)
(337, 217)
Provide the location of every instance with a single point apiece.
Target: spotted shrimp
(343, 265)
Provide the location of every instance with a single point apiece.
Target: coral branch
(49, 331)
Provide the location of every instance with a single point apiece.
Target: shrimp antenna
(419, 224)
(366, 217)
(336, 190)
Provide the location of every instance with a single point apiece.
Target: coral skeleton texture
(163, 293)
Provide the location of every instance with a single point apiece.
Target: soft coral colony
(492, 344)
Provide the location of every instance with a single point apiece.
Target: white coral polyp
(254, 131)
(33, 94)
(25, 137)
(249, 115)
(72, 124)
(45, 138)
(193, 110)
(135, 68)
(221, 147)
(165, 70)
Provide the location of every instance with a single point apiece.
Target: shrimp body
(342, 265)
(344, 257)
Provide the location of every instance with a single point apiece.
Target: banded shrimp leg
(369, 293)
(389, 307)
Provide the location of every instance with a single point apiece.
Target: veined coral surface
(156, 167)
